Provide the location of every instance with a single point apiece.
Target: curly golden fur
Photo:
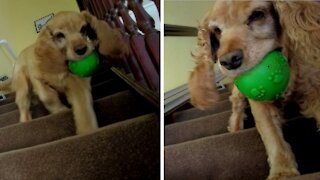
(255, 28)
(41, 68)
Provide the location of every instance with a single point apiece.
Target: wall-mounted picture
(42, 21)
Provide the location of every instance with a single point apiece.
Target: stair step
(100, 88)
(197, 128)
(224, 96)
(8, 107)
(209, 156)
(41, 130)
(56, 126)
(311, 176)
(9, 118)
(195, 113)
(212, 157)
(12, 117)
(120, 106)
(119, 151)
(9, 98)
(102, 74)
(108, 109)
(106, 88)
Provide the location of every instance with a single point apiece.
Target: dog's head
(73, 35)
(236, 35)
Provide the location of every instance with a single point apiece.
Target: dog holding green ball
(62, 60)
(271, 52)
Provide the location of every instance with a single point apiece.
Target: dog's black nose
(232, 60)
(81, 51)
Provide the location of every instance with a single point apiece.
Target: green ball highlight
(86, 66)
(268, 80)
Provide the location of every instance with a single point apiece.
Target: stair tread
(106, 88)
(208, 156)
(194, 112)
(8, 107)
(111, 108)
(224, 96)
(119, 150)
(9, 98)
(55, 126)
(122, 149)
(311, 176)
(114, 103)
(196, 128)
(99, 90)
(41, 130)
(13, 116)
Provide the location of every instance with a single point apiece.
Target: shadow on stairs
(198, 145)
(126, 146)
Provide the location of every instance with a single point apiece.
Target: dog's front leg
(239, 104)
(280, 157)
(78, 93)
(48, 96)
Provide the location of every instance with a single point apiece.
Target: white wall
(17, 23)
(177, 59)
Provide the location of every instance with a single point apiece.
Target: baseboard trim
(175, 98)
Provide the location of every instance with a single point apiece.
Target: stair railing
(4, 43)
(141, 69)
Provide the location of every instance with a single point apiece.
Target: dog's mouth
(237, 63)
(79, 53)
(278, 49)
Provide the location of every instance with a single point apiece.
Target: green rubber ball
(86, 66)
(268, 80)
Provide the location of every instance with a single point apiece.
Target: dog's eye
(215, 44)
(83, 30)
(86, 30)
(59, 35)
(255, 16)
(217, 31)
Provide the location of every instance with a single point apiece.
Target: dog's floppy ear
(202, 85)
(300, 25)
(110, 41)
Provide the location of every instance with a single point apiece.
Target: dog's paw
(284, 174)
(233, 129)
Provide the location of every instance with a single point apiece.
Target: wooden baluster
(88, 6)
(129, 64)
(93, 10)
(104, 12)
(139, 49)
(110, 11)
(99, 11)
(146, 25)
(108, 19)
(132, 61)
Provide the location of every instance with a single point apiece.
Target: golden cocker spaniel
(41, 68)
(237, 35)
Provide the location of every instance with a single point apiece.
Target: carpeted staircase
(126, 146)
(198, 145)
